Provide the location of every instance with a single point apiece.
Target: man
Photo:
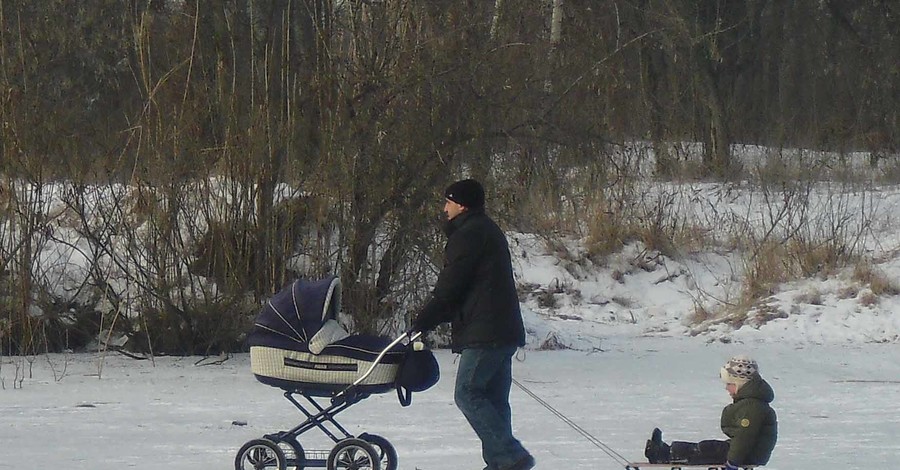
(749, 421)
(475, 291)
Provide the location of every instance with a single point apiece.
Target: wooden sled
(678, 466)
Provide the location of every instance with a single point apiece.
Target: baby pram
(297, 345)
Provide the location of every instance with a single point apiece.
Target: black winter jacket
(475, 290)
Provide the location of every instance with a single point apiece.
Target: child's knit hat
(739, 370)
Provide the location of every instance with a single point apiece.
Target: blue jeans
(483, 380)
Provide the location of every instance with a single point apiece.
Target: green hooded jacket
(751, 423)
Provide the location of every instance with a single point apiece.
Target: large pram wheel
(260, 454)
(353, 454)
(387, 455)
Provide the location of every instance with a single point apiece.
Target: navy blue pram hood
(296, 313)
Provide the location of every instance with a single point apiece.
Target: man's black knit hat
(467, 193)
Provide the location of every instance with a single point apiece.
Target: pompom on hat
(739, 370)
(467, 193)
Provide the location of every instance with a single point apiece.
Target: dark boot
(524, 463)
(656, 450)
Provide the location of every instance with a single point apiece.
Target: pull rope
(619, 458)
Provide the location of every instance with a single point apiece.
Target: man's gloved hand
(731, 466)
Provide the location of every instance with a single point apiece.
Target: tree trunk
(556, 24)
(716, 139)
(495, 20)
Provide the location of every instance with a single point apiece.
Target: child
(749, 422)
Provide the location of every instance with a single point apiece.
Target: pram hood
(301, 317)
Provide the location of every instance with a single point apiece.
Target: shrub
(812, 297)
(764, 272)
(879, 283)
(199, 327)
(608, 232)
(700, 314)
(868, 299)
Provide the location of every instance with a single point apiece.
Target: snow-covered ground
(644, 292)
(836, 406)
(627, 353)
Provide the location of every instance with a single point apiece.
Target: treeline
(366, 109)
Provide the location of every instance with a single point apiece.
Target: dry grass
(879, 282)
(764, 272)
(700, 314)
(812, 297)
(552, 343)
(868, 299)
(775, 264)
(811, 259)
(848, 292)
(657, 225)
(607, 234)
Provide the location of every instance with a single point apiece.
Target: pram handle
(412, 336)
